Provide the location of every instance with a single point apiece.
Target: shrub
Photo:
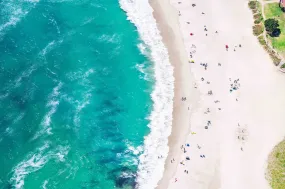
(257, 29)
(257, 18)
(261, 40)
(274, 57)
(252, 4)
(254, 11)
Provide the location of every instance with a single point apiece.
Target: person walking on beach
(227, 47)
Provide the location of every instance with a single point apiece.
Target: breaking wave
(151, 167)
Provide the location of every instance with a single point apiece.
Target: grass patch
(276, 165)
(257, 29)
(272, 10)
(283, 66)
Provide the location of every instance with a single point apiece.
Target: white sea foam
(127, 175)
(53, 102)
(31, 164)
(90, 71)
(4, 96)
(144, 49)
(19, 117)
(18, 81)
(151, 167)
(32, 1)
(130, 155)
(87, 21)
(24, 74)
(13, 12)
(53, 21)
(80, 104)
(15, 17)
(9, 130)
(51, 45)
(35, 161)
(79, 75)
(53, 105)
(145, 72)
(44, 186)
(109, 38)
(134, 150)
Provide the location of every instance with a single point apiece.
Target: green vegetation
(252, 4)
(255, 6)
(257, 18)
(273, 11)
(258, 28)
(272, 27)
(276, 166)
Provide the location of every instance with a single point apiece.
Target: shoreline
(169, 28)
(253, 112)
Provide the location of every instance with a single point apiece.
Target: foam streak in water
(52, 104)
(35, 161)
(13, 11)
(151, 168)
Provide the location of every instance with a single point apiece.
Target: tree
(276, 32)
(272, 27)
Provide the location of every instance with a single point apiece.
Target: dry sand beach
(228, 104)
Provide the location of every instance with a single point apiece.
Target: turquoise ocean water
(75, 95)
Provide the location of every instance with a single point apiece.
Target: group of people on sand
(235, 85)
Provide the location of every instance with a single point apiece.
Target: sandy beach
(228, 103)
